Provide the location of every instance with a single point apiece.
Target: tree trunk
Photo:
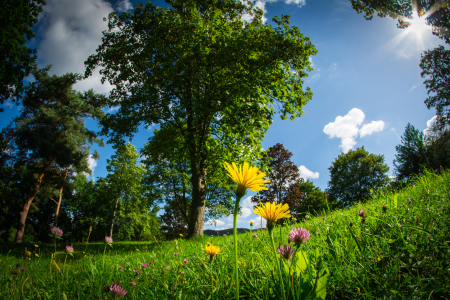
(60, 195)
(197, 213)
(29, 199)
(113, 217)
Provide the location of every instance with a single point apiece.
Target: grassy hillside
(399, 251)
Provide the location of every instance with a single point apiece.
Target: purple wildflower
(138, 272)
(92, 259)
(152, 262)
(299, 236)
(286, 252)
(108, 240)
(133, 283)
(410, 201)
(120, 267)
(116, 289)
(69, 249)
(255, 235)
(224, 234)
(362, 213)
(145, 265)
(323, 218)
(176, 253)
(56, 231)
(186, 261)
(167, 268)
(22, 269)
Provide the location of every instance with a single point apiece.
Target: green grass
(401, 253)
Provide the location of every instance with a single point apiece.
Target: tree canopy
(284, 178)
(17, 18)
(51, 129)
(436, 65)
(354, 174)
(196, 70)
(411, 154)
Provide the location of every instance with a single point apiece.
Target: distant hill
(228, 231)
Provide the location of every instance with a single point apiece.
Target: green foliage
(436, 65)
(400, 252)
(411, 154)
(217, 116)
(51, 123)
(17, 18)
(313, 201)
(169, 181)
(354, 174)
(418, 152)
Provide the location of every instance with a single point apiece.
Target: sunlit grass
(400, 252)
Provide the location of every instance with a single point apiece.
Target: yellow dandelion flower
(251, 223)
(212, 250)
(137, 250)
(181, 235)
(36, 246)
(272, 213)
(247, 178)
(28, 253)
(36, 255)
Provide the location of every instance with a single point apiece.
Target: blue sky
(366, 79)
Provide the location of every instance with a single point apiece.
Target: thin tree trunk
(113, 217)
(197, 214)
(29, 199)
(60, 195)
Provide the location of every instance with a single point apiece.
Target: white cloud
(347, 128)
(246, 209)
(8, 103)
(305, 173)
(368, 129)
(312, 63)
(413, 88)
(70, 32)
(92, 163)
(214, 223)
(124, 5)
(262, 5)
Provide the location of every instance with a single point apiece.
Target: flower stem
(104, 258)
(212, 282)
(276, 261)
(236, 266)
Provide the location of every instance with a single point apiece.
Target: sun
(419, 26)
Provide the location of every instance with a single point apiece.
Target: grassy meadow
(398, 250)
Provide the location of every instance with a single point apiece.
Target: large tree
(354, 174)
(284, 178)
(168, 176)
(124, 179)
(51, 129)
(194, 68)
(411, 157)
(17, 18)
(436, 65)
